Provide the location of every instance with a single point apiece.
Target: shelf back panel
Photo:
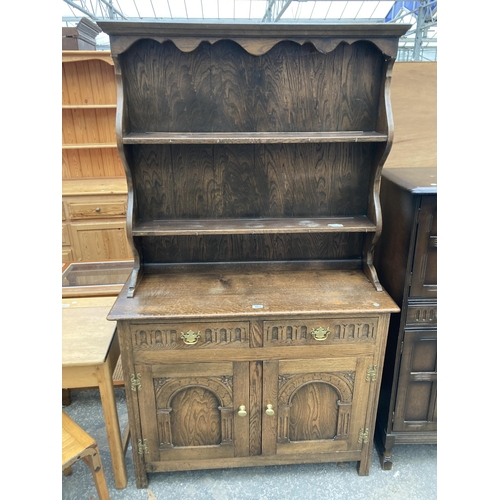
(85, 163)
(220, 87)
(250, 181)
(88, 82)
(251, 247)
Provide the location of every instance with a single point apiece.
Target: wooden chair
(76, 445)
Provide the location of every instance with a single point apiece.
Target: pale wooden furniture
(88, 115)
(78, 445)
(406, 258)
(414, 104)
(80, 37)
(93, 214)
(253, 326)
(94, 190)
(90, 353)
(95, 278)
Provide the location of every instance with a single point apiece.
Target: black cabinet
(406, 260)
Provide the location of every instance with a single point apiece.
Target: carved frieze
(301, 333)
(422, 313)
(159, 337)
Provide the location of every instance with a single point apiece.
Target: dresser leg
(66, 397)
(366, 459)
(384, 448)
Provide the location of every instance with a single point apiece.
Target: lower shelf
(254, 226)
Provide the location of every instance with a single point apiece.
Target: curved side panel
(386, 125)
(120, 130)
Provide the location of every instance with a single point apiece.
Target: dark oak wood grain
(252, 247)
(223, 88)
(173, 227)
(252, 137)
(195, 419)
(314, 413)
(248, 181)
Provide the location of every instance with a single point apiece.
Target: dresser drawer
(421, 314)
(97, 209)
(320, 331)
(189, 335)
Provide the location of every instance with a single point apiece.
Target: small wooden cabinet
(94, 212)
(406, 259)
(253, 326)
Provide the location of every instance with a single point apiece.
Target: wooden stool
(76, 445)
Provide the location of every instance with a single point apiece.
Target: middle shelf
(251, 137)
(179, 227)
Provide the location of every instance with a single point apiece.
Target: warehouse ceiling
(419, 44)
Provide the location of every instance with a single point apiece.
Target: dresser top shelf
(250, 290)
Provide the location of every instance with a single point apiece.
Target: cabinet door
(424, 274)
(415, 408)
(100, 241)
(320, 406)
(190, 411)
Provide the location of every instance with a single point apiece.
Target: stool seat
(76, 445)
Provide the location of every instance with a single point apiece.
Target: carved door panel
(190, 411)
(424, 273)
(416, 400)
(319, 405)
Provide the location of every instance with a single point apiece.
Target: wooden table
(90, 352)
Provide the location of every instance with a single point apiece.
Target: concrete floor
(413, 477)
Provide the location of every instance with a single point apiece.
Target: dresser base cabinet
(221, 378)
(406, 259)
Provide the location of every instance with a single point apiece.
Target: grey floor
(413, 477)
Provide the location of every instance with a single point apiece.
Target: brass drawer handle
(269, 410)
(98, 209)
(320, 333)
(190, 337)
(242, 411)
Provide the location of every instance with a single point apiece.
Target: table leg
(106, 389)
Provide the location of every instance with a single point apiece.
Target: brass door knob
(242, 411)
(269, 410)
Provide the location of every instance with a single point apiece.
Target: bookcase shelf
(252, 137)
(88, 145)
(89, 106)
(253, 226)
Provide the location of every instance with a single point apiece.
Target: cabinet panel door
(100, 241)
(319, 405)
(424, 274)
(190, 411)
(416, 400)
